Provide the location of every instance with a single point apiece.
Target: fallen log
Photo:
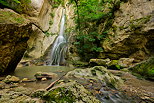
(52, 84)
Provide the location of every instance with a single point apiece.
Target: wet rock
(43, 75)
(27, 80)
(99, 62)
(44, 79)
(12, 79)
(98, 73)
(71, 92)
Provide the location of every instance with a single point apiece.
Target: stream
(105, 95)
(30, 71)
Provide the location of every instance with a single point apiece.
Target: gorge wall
(122, 29)
(132, 33)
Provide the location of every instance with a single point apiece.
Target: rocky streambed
(89, 85)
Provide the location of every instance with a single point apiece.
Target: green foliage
(17, 1)
(10, 17)
(20, 6)
(52, 14)
(50, 22)
(89, 15)
(48, 34)
(56, 3)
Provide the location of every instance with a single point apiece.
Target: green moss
(52, 14)
(10, 17)
(80, 64)
(114, 65)
(56, 3)
(50, 22)
(59, 95)
(20, 6)
(93, 72)
(145, 69)
(38, 93)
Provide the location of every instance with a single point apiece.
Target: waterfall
(59, 46)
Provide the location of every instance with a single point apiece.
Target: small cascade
(59, 47)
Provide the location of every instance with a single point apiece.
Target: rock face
(14, 33)
(48, 19)
(132, 33)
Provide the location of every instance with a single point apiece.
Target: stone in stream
(12, 79)
(44, 79)
(27, 80)
(43, 75)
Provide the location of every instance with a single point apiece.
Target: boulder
(98, 73)
(71, 92)
(99, 62)
(44, 75)
(15, 31)
(121, 63)
(12, 79)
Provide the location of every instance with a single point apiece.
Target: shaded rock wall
(15, 30)
(132, 33)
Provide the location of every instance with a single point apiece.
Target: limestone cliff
(48, 20)
(132, 33)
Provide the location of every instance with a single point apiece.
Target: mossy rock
(99, 62)
(8, 16)
(60, 95)
(71, 92)
(97, 73)
(114, 65)
(80, 64)
(145, 69)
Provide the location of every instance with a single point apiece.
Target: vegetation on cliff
(20, 6)
(93, 19)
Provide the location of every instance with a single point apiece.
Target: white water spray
(59, 47)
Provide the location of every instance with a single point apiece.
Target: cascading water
(59, 47)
